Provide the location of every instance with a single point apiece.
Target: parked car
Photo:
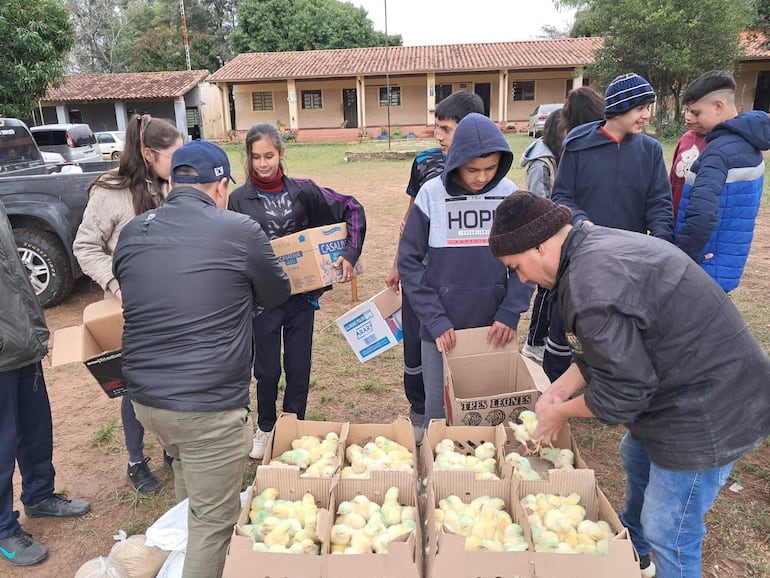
(44, 200)
(110, 143)
(539, 116)
(75, 142)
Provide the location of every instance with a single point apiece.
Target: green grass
(106, 434)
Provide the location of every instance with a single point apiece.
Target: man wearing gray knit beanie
(655, 347)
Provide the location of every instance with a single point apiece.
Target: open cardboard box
(287, 429)
(400, 431)
(96, 342)
(373, 326)
(466, 439)
(241, 558)
(488, 386)
(446, 556)
(621, 561)
(563, 440)
(404, 558)
(308, 256)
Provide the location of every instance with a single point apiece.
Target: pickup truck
(45, 204)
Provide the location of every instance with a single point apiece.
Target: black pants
(557, 356)
(292, 321)
(413, 384)
(538, 324)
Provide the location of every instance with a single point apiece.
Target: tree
(669, 42)
(36, 39)
(99, 27)
(286, 25)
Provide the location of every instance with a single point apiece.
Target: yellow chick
(485, 451)
(298, 457)
(264, 501)
(341, 534)
(391, 509)
(306, 442)
(278, 535)
(360, 543)
(562, 459)
(444, 446)
(338, 548)
(375, 525)
(354, 520)
(365, 506)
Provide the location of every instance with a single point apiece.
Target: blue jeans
(664, 510)
(26, 438)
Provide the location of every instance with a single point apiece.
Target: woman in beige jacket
(139, 184)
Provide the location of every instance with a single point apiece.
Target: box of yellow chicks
(473, 530)
(561, 528)
(283, 515)
(308, 450)
(376, 531)
(488, 386)
(571, 528)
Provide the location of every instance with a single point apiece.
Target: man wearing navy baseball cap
(191, 274)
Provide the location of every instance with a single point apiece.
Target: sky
(422, 22)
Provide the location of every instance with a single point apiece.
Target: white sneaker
(647, 567)
(535, 352)
(260, 445)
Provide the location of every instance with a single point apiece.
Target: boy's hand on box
(446, 341)
(500, 335)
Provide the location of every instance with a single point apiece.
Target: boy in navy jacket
(447, 271)
(612, 174)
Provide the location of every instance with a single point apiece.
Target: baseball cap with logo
(208, 160)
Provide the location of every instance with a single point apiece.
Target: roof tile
(559, 53)
(126, 86)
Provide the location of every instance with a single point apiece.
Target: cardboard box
(373, 326)
(400, 431)
(446, 555)
(307, 257)
(241, 558)
(541, 466)
(404, 558)
(288, 428)
(621, 561)
(488, 386)
(96, 343)
(466, 439)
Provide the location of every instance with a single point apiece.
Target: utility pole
(184, 35)
(387, 68)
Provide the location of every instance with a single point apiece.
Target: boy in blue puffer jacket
(447, 271)
(723, 188)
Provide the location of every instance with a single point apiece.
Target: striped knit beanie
(627, 91)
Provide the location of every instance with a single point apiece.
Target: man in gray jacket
(190, 274)
(26, 432)
(658, 347)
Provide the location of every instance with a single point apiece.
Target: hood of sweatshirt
(537, 150)
(753, 126)
(475, 136)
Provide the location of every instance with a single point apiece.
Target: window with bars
(311, 99)
(523, 90)
(395, 96)
(261, 101)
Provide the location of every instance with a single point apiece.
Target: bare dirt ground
(90, 458)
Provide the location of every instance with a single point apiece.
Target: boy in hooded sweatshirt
(612, 174)
(447, 271)
(723, 187)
